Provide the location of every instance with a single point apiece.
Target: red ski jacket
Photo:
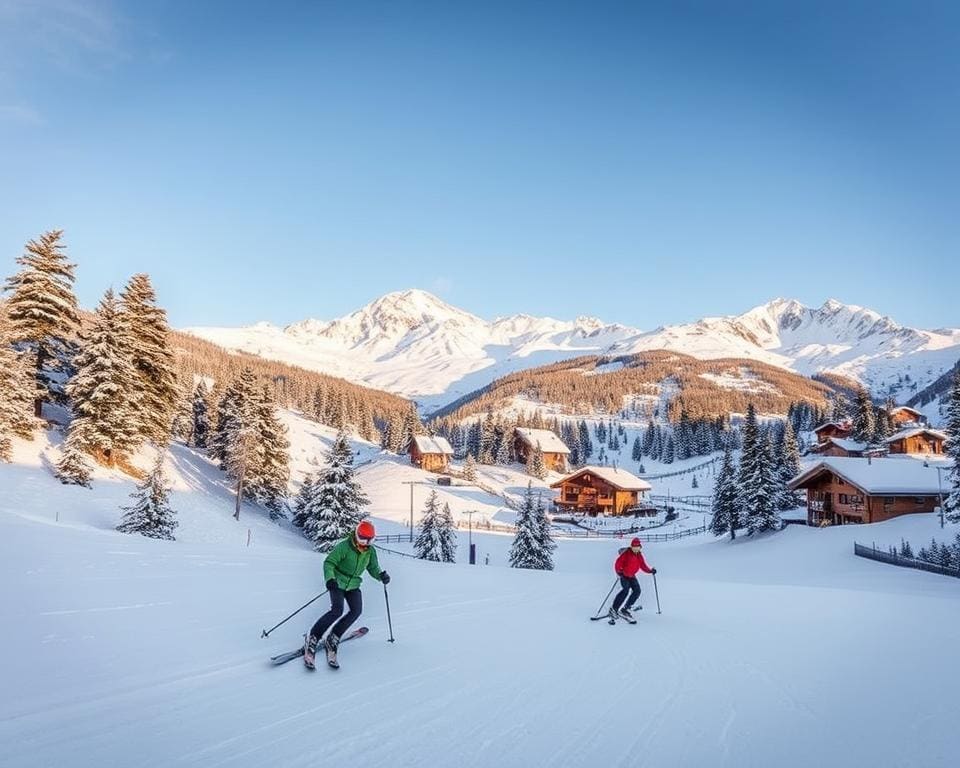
(629, 563)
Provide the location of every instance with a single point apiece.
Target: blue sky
(647, 163)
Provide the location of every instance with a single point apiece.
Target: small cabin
(839, 429)
(555, 451)
(918, 440)
(839, 446)
(430, 453)
(903, 415)
(841, 491)
(595, 490)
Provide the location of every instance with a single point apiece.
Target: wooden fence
(872, 553)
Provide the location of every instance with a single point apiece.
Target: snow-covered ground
(784, 651)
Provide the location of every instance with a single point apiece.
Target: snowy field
(786, 651)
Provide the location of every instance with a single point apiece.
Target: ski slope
(784, 651)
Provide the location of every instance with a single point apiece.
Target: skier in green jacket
(342, 570)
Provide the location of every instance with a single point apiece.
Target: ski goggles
(364, 541)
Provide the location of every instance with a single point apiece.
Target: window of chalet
(888, 501)
(919, 500)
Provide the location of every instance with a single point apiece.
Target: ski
(283, 658)
(607, 615)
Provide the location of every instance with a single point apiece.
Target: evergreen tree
(470, 469)
(528, 549)
(151, 514)
(43, 310)
(759, 486)
(73, 468)
(726, 500)
(436, 540)
(951, 503)
(503, 455)
(648, 439)
(864, 427)
(694, 483)
(241, 439)
(201, 419)
(536, 466)
(545, 540)
(788, 467)
(17, 391)
(487, 439)
(668, 450)
(304, 500)
(339, 500)
(637, 452)
(273, 467)
(102, 393)
(642, 470)
(152, 358)
(906, 550)
(586, 444)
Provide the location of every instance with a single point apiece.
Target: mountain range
(414, 344)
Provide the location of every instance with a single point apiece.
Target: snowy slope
(782, 651)
(414, 344)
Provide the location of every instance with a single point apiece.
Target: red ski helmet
(365, 533)
(636, 544)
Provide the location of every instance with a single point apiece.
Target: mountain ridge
(415, 344)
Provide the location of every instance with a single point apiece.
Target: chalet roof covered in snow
(428, 444)
(846, 443)
(907, 409)
(545, 438)
(903, 434)
(619, 478)
(837, 424)
(876, 477)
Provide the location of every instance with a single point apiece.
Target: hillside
(646, 385)
(130, 651)
(416, 345)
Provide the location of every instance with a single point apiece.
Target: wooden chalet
(903, 415)
(593, 490)
(849, 490)
(917, 440)
(839, 446)
(840, 429)
(430, 453)
(555, 451)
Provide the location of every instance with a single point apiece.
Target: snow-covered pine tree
(694, 483)
(448, 535)
(487, 439)
(152, 358)
(637, 453)
(864, 427)
(17, 391)
(547, 544)
(242, 449)
(43, 311)
(535, 465)
(951, 503)
(906, 550)
(649, 436)
(726, 500)
(759, 489)
(303, 500)
(527, 550)
(227, 410)
(339, 500)
(436, 540)
(586, 444)
(669, 450)
(103, 391)
(470, 469)
(73, 467)
(200, 432)
(788, 457)
(273, 470)
(503, 455)
(151, 515)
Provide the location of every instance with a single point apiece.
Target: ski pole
(266, 632)
(386, 597)
(656, 592)
(615, 581)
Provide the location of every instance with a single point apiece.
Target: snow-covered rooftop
(545, 438)
(846, 443)
(428, 444)
(625, 481)
(877, 477)
(913, 432)
(906, 409)
(837, 424)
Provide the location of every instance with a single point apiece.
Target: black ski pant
(337, 596)
(628, 586)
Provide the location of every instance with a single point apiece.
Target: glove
(653, 571)
(332, 585)
(384, 577)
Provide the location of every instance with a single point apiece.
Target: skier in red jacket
(626, 566)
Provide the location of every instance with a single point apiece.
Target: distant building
(430, 453)
(850, 490)
(555, 451)
(593, 490)
(917, 440)
(839, 446)
(839, 429)
(903, 415)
